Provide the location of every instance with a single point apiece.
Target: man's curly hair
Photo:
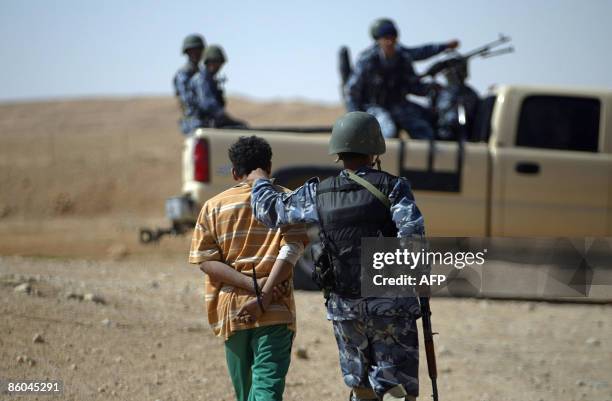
(249, 153)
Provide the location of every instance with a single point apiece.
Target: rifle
(429, 345)
(485, 51)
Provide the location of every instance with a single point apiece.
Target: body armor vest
(348, 212)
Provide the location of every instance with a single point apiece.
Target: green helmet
(214, 53)
(357, 132)
(193, 41)
(383, 27)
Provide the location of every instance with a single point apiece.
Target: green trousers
(258, 361)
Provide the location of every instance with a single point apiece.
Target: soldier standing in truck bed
(207, 97)
(193, 47)
(384, 76)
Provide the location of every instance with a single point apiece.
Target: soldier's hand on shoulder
(257, 174)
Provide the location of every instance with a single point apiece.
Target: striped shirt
(227, 231)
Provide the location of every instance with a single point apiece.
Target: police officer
(456, 92)
(384, 75)
(193, 47)
(377, 337)
(208, 99)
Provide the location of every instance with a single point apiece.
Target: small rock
(118, 359)
(26, 359)
(152, 356)
(592, 341)
(531, 306)
(580, 383)
(118, 252)
(38, 339)
(97, 299)
(107, 322)
(101, 389)
(155, 284)
(73, 366)
(74, 295)
(159, 344)
(24, 288)
(302, 353)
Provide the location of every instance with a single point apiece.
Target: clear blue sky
(283, 49)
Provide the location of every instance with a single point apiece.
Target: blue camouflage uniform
(207, 100)
(377, 337)
(183, 93)
(379, 86)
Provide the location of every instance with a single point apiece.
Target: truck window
(555, 122)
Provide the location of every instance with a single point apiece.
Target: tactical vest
(388, 83)
(348, 212)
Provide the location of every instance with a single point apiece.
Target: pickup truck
(538, 163)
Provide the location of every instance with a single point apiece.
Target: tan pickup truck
(538, 162)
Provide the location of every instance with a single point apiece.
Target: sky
(282, 49)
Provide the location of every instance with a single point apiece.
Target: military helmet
(357, 132)
(214, 53)
(383, 27)
(193, 41)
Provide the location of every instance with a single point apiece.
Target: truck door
(554, 180)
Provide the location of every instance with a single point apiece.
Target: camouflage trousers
(406, 115)
(379, 352)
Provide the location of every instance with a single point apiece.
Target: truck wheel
(146, 236)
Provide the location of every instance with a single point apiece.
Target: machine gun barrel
(488, 48)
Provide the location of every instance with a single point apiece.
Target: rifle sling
(371, 188)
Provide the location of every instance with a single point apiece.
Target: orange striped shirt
(227, 231)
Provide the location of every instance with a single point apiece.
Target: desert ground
(84, 302)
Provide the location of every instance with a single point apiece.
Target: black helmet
(383, 27)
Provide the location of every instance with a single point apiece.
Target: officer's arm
(275, 208)
(354, 88)
(426, 51)
(404, 211)
(181, 87)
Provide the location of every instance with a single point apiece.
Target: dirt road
(147, 339)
